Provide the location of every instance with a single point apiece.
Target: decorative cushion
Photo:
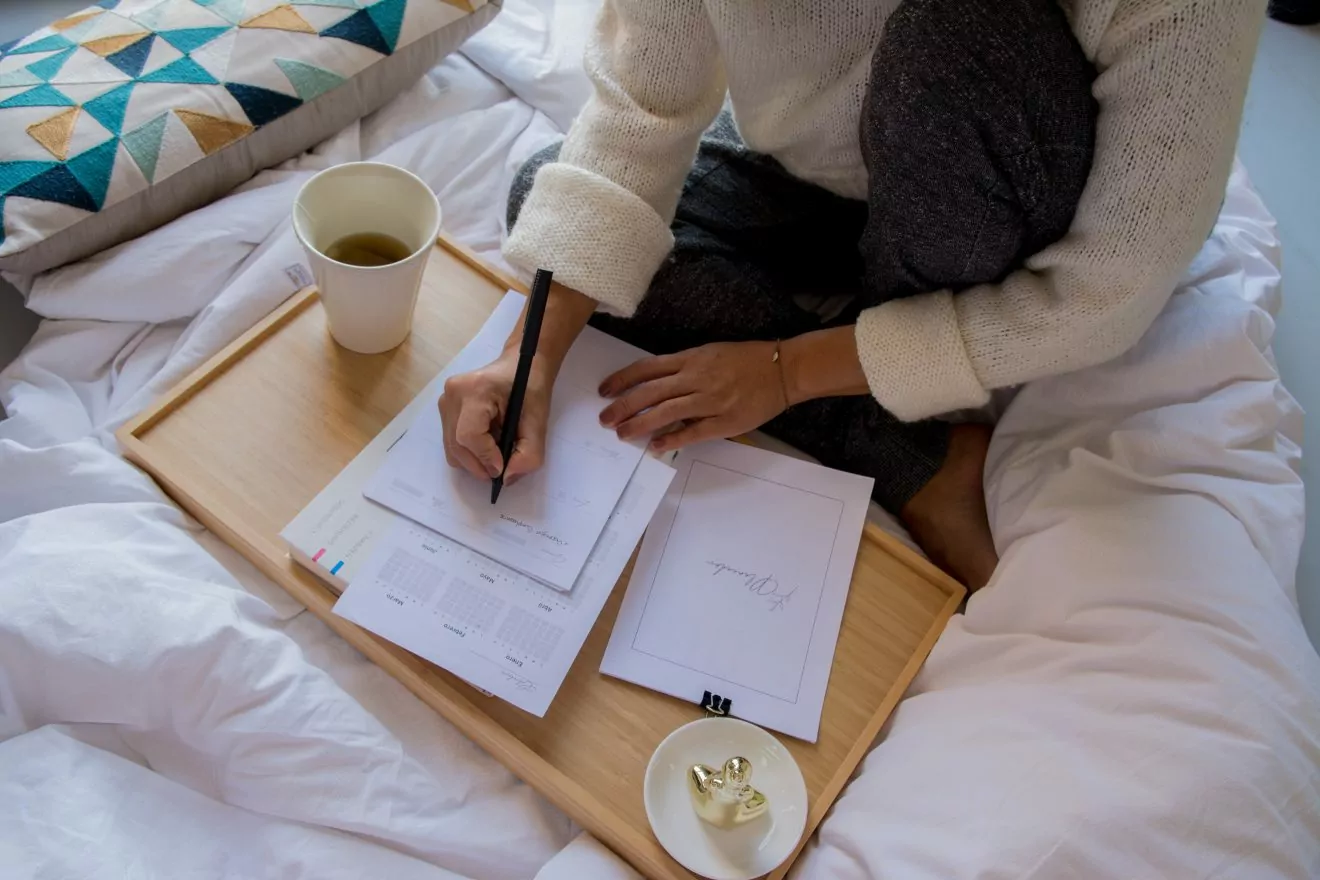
(121, 117)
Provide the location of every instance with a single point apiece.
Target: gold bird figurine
(725, 798)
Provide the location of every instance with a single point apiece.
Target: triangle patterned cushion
(119, 118)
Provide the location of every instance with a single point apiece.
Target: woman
(920, 202)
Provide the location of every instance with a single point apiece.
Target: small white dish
(743, 853)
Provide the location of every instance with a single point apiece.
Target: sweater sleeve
(1171, 85)
(599, 217)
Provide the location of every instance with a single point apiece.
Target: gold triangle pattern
(107, 46)
(74, 20)
(56, 133)
(281, 18)
(212, 133)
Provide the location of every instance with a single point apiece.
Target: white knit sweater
(1172, 78)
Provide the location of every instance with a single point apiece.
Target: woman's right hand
(472, 410)
(473, 404)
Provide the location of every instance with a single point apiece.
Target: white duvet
(1132, 696)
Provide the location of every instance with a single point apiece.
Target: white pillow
(121, 117)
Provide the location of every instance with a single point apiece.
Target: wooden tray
(254, 434)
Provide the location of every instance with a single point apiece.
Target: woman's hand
(715, 391)
(472, 409)
(473, 404)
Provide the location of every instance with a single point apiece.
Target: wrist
(566, 313)
(823, 363)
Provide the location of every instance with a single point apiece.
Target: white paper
(499, 630)
(546, 524)
(741, 582)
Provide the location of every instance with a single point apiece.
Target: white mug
(369, 308)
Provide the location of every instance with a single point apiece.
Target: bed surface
(1133, 695)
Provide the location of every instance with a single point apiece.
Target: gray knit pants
(977, 131)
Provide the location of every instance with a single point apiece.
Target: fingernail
(606, 419)
(657, 445)
(604, 389)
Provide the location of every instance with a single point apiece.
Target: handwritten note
(544, 525)
(766, 586)
(741, 582)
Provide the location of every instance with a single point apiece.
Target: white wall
(1280, 146)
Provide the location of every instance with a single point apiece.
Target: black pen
(526, 351)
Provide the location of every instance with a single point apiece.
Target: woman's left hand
(715, 391)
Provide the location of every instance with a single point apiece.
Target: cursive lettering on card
(764, 586)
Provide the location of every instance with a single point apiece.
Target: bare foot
(947, 516)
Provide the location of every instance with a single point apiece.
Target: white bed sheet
(1132, 696)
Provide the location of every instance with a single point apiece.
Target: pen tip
(495, 486)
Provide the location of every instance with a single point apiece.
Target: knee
(522, 181)
(978, 112)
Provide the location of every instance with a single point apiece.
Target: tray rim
(636, 846)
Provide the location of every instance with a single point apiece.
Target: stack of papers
(504, 595)
(739, 589)
(545, 525)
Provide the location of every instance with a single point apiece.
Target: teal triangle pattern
(185, 70)
(262, 105)
(21, 77)
(188, 39)
(93, 169)
(41, 96)
(132, 59)
(53, 43)
(47, 67)
(309, 81)
(388, 16)
(109, 109)
(15, 174)
(56, 185)
(362, 29)
(143, 144)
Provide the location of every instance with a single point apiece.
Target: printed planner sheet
(493, 627)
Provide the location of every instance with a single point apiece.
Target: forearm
(822, 363)
(566, 313)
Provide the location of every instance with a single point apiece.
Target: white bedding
(1132, 696)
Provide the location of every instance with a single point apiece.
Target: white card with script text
(740, 585)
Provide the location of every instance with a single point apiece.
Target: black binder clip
(715, 706)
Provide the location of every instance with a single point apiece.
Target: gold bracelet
(783, 383)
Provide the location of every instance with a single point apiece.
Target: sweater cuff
(597, 237)
(913, 355)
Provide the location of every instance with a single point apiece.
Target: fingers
(641, 397)
(472, 436)
(661, 416)
(529, 453)
(697, 432)
(456, 456)
(643, 370)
